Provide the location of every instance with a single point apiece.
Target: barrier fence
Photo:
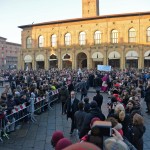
(24, 112)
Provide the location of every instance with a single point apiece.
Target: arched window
(97, 37)
(41, 41)
(132, 35)
(29, 42)
(82, 38)
(54, 40)
(67, 56)
(114, 36)
(68, 39)
(148, 34)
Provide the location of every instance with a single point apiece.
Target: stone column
(46, 62)
(59, 59)
(73, 59)
(105, 61)
(89, 59)
(21, 61)
(122, 59)
(140, 58)
(34, 61)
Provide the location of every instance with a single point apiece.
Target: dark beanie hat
(57, 135)
(93, 104)
(82, 146)
(63, 143)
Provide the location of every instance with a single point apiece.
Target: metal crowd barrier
(22, 111)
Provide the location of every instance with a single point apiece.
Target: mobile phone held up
(101, 128)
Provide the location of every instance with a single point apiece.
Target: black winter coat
(63, 93)
(137, 136)
(147, 95)
(71, 109)
(95, 112)
(99, 99)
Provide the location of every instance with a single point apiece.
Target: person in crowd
(63, 143)
(121, 117)
(137, 131)
(104, 87)
(116, 125)
(72, 107)
(83, 88)
(98, 98)
(63, 96)
(93, 136)
(131, 108)
(125, 97)
(32, 101)
(86, 104)
(97, 82)
(70, 86)
(147, 98)
(57, 135)
(91, 79)
(79, 117)
(94, 112)
(82, 146)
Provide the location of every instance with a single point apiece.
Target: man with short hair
(79, 116)
(72, 107)
(94, 112)
(98, 98)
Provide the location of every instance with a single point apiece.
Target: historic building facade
(9, 53)
(121, 40)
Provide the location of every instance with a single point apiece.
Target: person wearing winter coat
(64, 95)
(32, 101)
(137, 131)
(86, 105)
(116, 125)
(147, 98)
(79, 117)
(121, 117)
(98, 98)
(83, 88)
(94, 112)
(72, 107)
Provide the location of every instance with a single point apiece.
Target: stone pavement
(37, 136)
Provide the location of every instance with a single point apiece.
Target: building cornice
(86, 19)
(10, 43)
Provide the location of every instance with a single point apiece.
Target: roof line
(84, 19)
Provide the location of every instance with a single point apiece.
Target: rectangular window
(29, 43)
(97, 38)
(132, 37)
(54, 43)
(82, 40)
(148, 35)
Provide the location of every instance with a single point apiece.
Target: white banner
(103, 68)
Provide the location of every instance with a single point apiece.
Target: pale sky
(14, 13)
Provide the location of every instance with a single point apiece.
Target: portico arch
(39, 61)
(114, 59)
(28, 62)
(67, 61)
(147, 59)
(132, 59)
(53, 61)
(97, 58)
(81, 60)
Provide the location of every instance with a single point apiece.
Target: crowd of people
(125, 89)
